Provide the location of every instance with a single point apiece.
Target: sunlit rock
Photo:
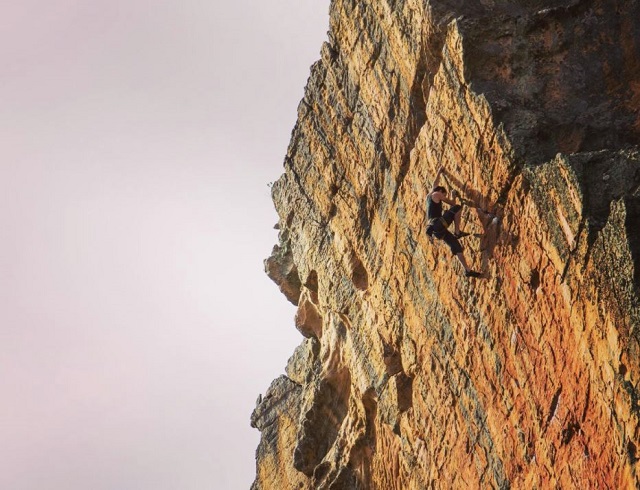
(414, 376)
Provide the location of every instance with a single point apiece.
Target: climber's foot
(470, 273)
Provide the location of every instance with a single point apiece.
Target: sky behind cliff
(136, 324)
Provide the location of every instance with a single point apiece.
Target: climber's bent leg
(453, 242)
(457, 251)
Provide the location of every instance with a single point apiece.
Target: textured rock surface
(411, 376)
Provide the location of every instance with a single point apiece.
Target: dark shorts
(452, 241)
(442, 233)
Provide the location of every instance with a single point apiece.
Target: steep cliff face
(410, 375)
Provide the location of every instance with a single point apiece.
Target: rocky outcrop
(410, 375)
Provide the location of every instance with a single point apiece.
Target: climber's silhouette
(439, 222)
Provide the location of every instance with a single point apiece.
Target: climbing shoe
(471, 273)
(461, 234)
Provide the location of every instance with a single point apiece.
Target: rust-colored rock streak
(412, 376)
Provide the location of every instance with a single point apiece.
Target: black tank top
(434, 209)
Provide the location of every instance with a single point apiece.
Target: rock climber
(439, 222)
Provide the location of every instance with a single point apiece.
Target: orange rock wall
(410, 375)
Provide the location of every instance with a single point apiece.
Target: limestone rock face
(411, 376)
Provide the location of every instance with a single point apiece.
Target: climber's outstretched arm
(441, 194)
(436, 181)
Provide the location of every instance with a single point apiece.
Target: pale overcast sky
(137, 326)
